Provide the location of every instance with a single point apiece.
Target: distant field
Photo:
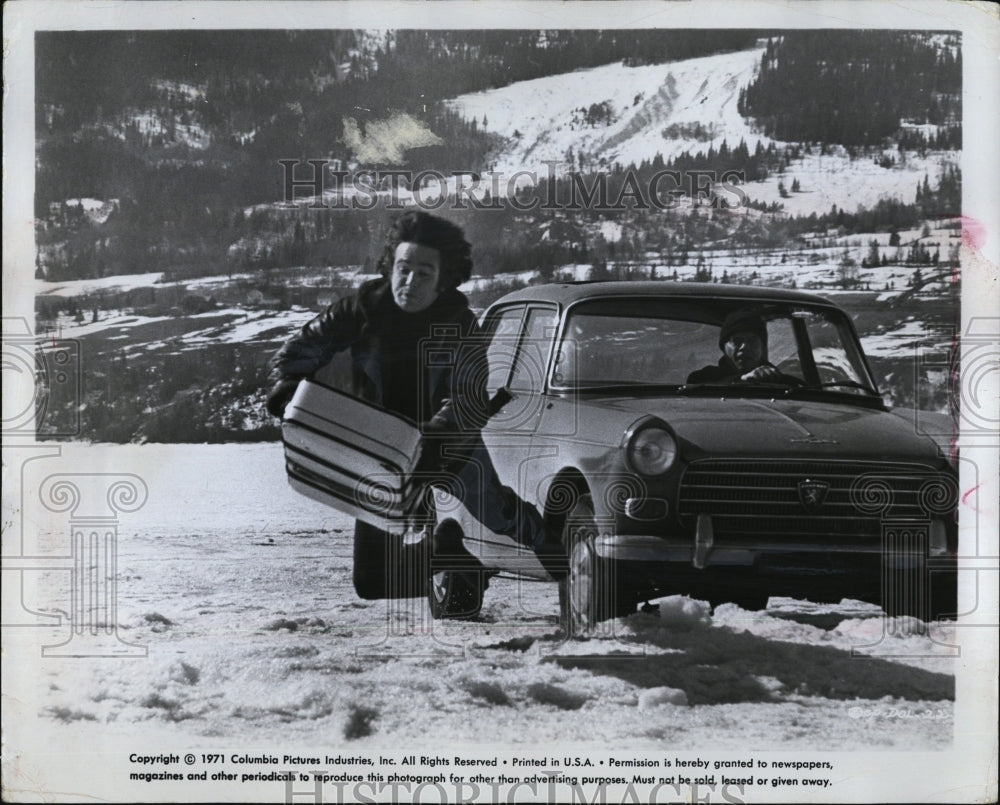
(175, 376)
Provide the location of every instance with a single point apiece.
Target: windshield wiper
(851, 384)
(621, 388)
(730, 388)
(696, 388)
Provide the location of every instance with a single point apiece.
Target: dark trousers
(475, 483)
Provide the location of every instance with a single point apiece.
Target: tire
(453, 595)
(455, 583)
(590, 592)
(386, 567)
(751, 602)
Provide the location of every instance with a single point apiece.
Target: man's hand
(435, 437)
(765, 373)
(281, 395)
(442, 446)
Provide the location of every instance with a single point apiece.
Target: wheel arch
(449, 531)
(566, 488)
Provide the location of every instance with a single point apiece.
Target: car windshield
(668, 342)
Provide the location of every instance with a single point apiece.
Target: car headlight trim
(651, 450)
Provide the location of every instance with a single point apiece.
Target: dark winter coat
(426, 366)
(725, 370)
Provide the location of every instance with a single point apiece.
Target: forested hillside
(236, 101)
(859, 88)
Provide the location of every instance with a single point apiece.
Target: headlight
(651, 451)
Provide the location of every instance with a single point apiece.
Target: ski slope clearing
(241, 591)
(653, 109)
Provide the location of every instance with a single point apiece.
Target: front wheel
(456, 584)
(590, 593)
(454, 595)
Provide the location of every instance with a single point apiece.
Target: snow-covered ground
(203, 285)
(65, 326)
(819, 269)
(191, 92)
(96, 210)
(905, 338)
(240, 591)
(836, 179)
(250, 326)
(231, 325)
(117, 282)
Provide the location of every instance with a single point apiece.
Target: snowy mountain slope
(653, 109)
(591, 119)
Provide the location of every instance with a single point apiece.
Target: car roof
(569, 292)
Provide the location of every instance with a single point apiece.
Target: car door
(518, 364)
(507, 435)
(519, 344)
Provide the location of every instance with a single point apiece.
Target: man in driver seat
(743, 341)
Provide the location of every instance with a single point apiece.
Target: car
(804, 485)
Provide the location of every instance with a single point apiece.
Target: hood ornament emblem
(812, 494)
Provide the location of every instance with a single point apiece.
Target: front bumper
(901, 563)
(900, 542)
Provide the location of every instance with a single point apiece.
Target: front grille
(780, 500)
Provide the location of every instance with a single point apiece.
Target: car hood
(735, 426)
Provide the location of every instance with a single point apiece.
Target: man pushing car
(388, 327)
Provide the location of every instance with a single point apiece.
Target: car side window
(533, 350)
(502, 347)
(837, 364)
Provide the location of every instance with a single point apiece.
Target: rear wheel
(456, 583)
(590, 592)
(386, 566)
